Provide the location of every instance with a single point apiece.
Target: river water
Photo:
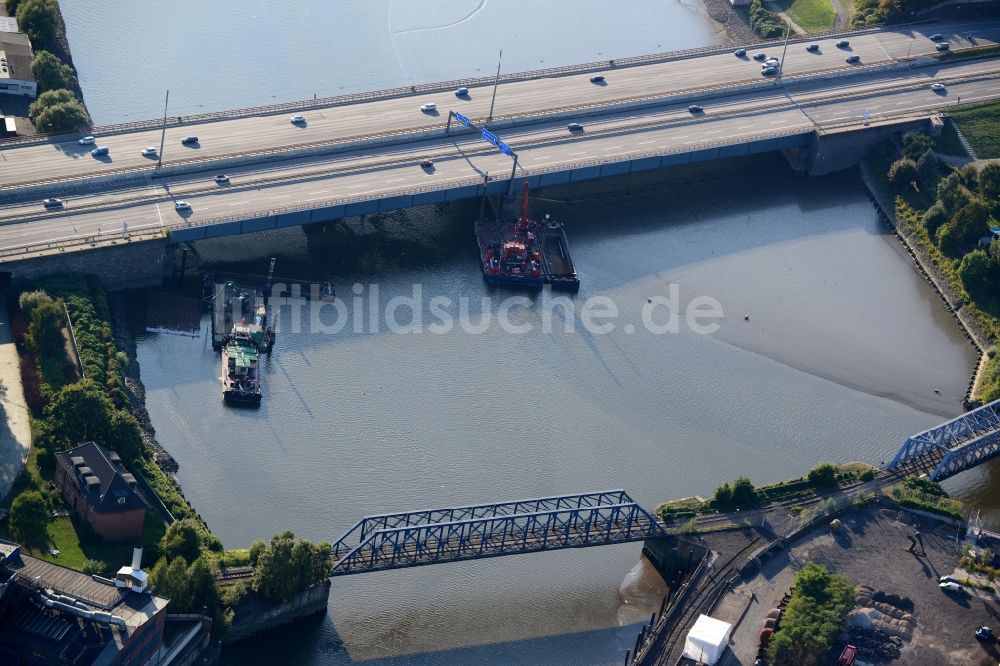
(229, 54)
(839, 360)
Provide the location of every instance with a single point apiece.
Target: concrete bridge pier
(124, 265)
(844, 147)
(673, 558)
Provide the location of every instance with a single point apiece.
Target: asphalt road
(541, 146)
(69, 159)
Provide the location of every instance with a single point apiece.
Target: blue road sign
(462, 119)
(490, 136)
(504, 148)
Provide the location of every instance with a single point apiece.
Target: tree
(125, 437)
(58, 110)
(288, 566)
(182, 540)
(80, 412)
(903, 171)
(744, 494)
(813, 618)
(256, 548)
(916, 144)
(170, 579)
(12, 7)
(51, 73)
(989, 182)
(966, 227)
(978, 273)
(29, 517)
(45, 329)
(927, 168)
(37, 19)
(934, 217)
(823, 475)
(952, 193)
(723, 498)
(29, 300)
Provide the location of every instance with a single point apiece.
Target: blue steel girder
(494, 536)
(950, 437)
(370, 524)
(968, 456)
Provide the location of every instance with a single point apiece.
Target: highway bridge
(357, 156)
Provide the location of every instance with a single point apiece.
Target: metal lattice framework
(960, 444)
(433, 536)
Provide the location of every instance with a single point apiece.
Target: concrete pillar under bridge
(672, 557)
(841, 148)
(125, 265)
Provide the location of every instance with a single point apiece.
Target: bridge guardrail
(429, 131)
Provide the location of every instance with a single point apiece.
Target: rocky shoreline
(735, 21)
(134, 387)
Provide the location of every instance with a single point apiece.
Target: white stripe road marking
(280, 196)
(580, 153)
(396, 180)
(239, 203)
(643, 143)
(354, 187)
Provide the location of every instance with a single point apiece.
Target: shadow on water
(315, 640)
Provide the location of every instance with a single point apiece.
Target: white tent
(707, 640)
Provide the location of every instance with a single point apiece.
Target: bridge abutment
(673, 558)
(124, 265)
(842, 148)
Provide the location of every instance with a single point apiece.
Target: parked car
(759, 56)
(813, 48)
(426, 164)
(937, 87)
(949, 579)
(188, 140)
(741, 53)
(984, 633)
(462, 92)
(574, 127)
(843, 44)
(695, 109)
(937, 36)
(428, 107)
(100, 151)
(149, 152)
(943, 46)
(298, 120)
(52, 203)
(182, 205)
(222, 179)
(87, 141)
(769, 71)
(851, 60)
(951, 587)
(597, 79)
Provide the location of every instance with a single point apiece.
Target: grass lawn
(74, 554)
(811, 15)
(948, 143)
(981, 126)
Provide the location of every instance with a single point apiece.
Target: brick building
(97, 487)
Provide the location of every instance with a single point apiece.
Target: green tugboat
(240, 374)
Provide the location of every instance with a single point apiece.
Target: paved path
(15, 433)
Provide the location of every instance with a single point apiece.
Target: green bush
(58, 111)
(814, 616)
(764, 22)
(823, 475)
(902, 172)
(868, 475)
(51, 73)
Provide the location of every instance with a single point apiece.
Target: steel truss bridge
(434, 536)
(955, 446)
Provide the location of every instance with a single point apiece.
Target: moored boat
(240, 372)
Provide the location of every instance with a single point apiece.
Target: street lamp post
(163, 132)
(496, 82)
(781, 65)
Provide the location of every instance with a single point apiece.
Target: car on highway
(937, 87)
(843, 44)
(771, 62)
(149, 152)
(462, 92)
(943, 46)
(52, 203)
(951, 586)
(297, 120)
(428, 107)
(87, 141)
(222, 179)
(769, 71)
(426, 164)
(695, 109)
(937, 37)
(759, 56)
(574, 127)
(182, 205)
(100, 151)
(188, 140)
(813, 48)
(597, 79)
(740, 53)
(852, 60)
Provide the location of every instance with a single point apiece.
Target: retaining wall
(308, 602)
(120, 266)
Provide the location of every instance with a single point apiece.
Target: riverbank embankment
(15, 429)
